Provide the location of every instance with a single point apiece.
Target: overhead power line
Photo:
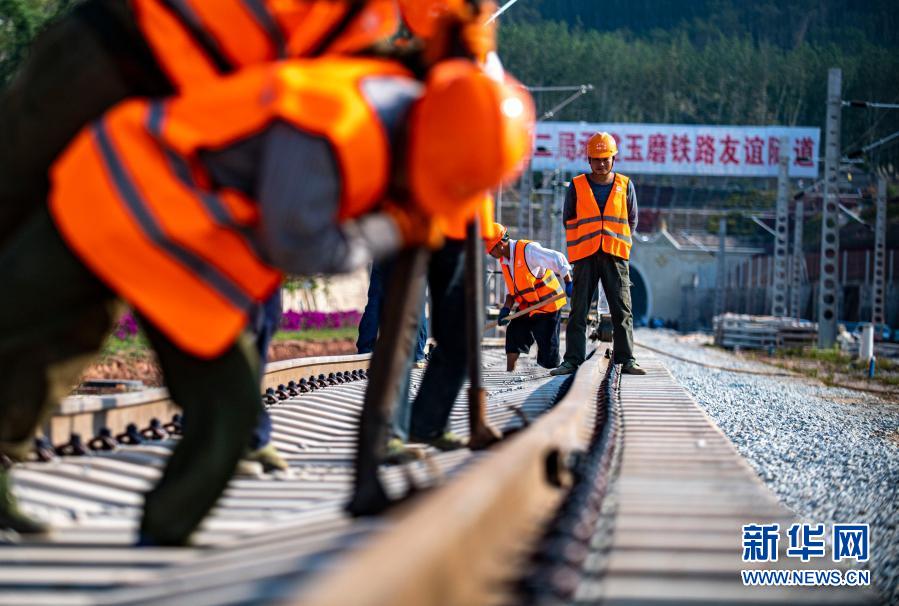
(870, 146)
(581, 91)
(501, 10)
(871, 104)
(555, 89)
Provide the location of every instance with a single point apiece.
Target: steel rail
(86, 414)
(493, 505)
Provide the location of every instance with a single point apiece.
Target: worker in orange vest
(186, 206)
(600, 219)
(105, 51)
(531, 273)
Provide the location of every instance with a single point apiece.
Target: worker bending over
(105, 51)
(189, 207)
(522, 261)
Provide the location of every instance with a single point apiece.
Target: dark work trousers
(268, 319)
(265, 325)
(543, 329)
(53, 321)
(371, 316)
(368, 334)
(82, 65)
(614, 274)
(447, 367)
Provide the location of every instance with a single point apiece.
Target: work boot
(270, 458)
(398, 453)
(632, 368)
(249, 469)
(447, 441)
(11, 517)
(565, 369)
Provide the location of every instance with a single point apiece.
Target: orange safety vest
(591, 230)
(529, 290)
(133, 200)
(195, 40)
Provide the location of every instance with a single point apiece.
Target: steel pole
(386, 376)
(828, 297)
(482, 434)
(781, 237)
(721, 276)
(798, 258)
(878, 316)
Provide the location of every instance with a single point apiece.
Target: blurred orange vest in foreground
(132, 198)
(454, 226)
(196, 40)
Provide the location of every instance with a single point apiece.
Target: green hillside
(713, 61)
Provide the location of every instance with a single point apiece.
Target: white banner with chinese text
(672, 149)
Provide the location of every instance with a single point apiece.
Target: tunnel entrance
(639, 297)
(640, 303)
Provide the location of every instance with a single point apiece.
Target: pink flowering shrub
(126, 327)
(313, 320)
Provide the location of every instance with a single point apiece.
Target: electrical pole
(720, 286)
(546, 203)
(830, 224)
(798, 258)
(525, 202)
(781, 238)
(880, 241)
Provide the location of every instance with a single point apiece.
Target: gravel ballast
(830, 454)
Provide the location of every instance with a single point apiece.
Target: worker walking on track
(105, 51)
(531, 273)
(184, 207)
(600, 218)
(448, 364)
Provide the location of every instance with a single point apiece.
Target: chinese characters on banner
(666, 149)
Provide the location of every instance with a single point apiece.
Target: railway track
(620, 492)
(288, 524)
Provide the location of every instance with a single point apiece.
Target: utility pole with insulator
(880, 243)
(721, 277)
(830, 221)
(781, 237)
(523, 206)
(798, 259)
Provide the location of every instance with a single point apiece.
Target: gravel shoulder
(830, 454)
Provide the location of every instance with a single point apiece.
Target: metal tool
(526, 310)
(604, 331)
(482, 433)
(387, 372)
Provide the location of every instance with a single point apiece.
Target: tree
(20, 21)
